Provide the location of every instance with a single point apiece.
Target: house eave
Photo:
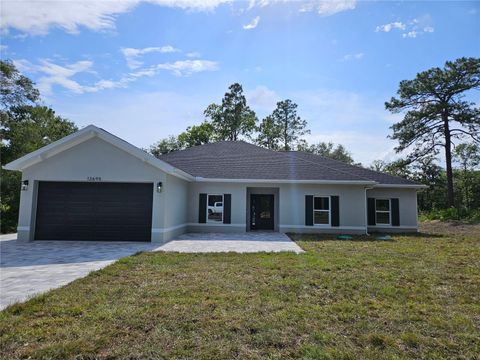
(284, 181)
(401, 186)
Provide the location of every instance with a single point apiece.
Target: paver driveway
(27, 269)
(30, 268)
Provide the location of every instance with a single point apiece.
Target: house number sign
(94, 178)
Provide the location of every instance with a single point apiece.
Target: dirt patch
(449, 228)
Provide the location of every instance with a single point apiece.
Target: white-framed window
(214, 208)
(382, 211)
(321, 210)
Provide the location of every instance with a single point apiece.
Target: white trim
(216, 224)
(323, 227)
(88, 133)
(400, 186)
(393, 227)
(23, 228)
(165, 230)
(276, 181)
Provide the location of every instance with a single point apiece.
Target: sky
(146, 69)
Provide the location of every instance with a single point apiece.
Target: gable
(93, 158)
(74, 140)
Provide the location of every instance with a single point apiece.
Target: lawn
(412, 297)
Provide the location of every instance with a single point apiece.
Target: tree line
(234, 120)
(437, 115)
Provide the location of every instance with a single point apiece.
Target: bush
(452, 214)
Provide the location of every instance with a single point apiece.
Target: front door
(261, 212)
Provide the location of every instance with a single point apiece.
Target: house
(92, 185)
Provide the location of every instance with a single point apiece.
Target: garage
(94, 211)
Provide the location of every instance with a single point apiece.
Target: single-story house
(92, 185)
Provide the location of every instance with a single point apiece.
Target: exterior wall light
(24, 185)
(159, 187)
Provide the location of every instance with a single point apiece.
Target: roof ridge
(331, 168)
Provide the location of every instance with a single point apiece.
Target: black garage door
(94, 211)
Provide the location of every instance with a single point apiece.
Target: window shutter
(227, 208)
(395, 211)
(309, 210)
(371, 211)
(202, 208)
(335, 210)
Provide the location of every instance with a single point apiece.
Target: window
(321, 210)
(382, 211)
(215, 208)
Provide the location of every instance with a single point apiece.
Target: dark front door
(94, 211)
(261, 212)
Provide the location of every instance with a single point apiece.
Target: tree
(378, 165)
(25, 126)
(468, 157)
(165, 146)
(269, 134)
(329, 150)
(291, 125)
(23, 130)
(436, 112)
(15, 89)
(426, 171)
(233, 118)
(196, 135)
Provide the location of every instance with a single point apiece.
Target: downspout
(366, 209)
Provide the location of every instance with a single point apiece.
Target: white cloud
(3, 48)
(328, 7)
(322, 7)
(411, 29)
(388, 27)
(357, 56)
(411, 34)
(188, 67)
(37, 17)
(253, 24)
(262, 97)
(132, 54)
(52, 74)
(193, 54)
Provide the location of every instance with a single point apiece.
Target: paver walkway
(236, 242)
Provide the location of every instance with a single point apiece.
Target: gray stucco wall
(96, 158)
(176, 212)
(291, 210)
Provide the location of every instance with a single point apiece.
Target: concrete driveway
(27, 269)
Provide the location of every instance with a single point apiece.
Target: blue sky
(147, 69)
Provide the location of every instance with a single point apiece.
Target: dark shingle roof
(241, 160)
(377, 176)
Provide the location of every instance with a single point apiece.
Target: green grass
(413, 297)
